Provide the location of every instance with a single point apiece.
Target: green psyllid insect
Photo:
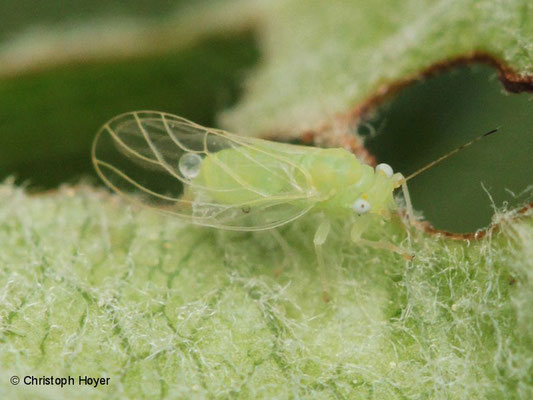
(213, 178)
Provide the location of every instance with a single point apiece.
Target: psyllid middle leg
(321, 235)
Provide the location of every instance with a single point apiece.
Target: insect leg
(386, 246)
(408, 204)
(319, 239)
(357, 231)
(287, 255)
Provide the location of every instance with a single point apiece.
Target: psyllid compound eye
(385, 168)
(361, 206)
(189, 165)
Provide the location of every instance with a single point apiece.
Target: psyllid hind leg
(319, 240)
(285, 248)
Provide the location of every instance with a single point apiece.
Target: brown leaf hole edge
(512, 81)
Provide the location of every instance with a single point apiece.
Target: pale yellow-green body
(331, 179)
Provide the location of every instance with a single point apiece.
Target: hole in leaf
(428, 119)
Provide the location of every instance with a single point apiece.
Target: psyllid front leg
(359, 228)
(320, 238)
(402, 182)
(408, 204)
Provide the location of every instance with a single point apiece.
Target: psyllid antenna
(451, 153)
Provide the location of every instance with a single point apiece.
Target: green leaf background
(93, 287)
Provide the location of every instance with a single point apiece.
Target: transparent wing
(205, 176)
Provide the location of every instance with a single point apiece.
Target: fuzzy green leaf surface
(323, 59)
(168, 310)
